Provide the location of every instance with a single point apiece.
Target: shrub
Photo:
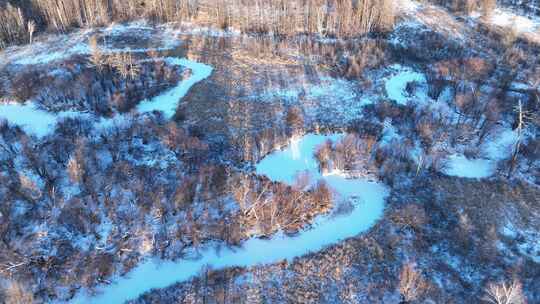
(24, 85)
(294, 120)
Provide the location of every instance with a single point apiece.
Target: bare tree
(345, 18)
(125, 65)
(503, 293)
(411, 283)
(524, 117)
(97, 58)
(31, 26)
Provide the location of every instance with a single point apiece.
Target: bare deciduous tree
(503, 293)
(411, 283)
(125, 65)
(347, 18)
(97, 58)
(31, 27)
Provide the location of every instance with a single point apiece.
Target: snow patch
(396, 85)
(496, 149)
(408, 6)
(459, 165)
(327, 88)
(48, 57)
(507, 18)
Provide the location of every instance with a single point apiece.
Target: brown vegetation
(332, 18)
(120, 83)
(267, 207)
(411, 284)
(353, 154)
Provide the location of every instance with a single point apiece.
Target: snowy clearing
(459, 165)
(396, 85)
(56, 48)
(367, 196)
(496, 149)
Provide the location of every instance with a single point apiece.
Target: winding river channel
(367, 196)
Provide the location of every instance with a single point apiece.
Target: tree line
(20, 19)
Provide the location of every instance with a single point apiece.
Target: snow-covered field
(283, 165)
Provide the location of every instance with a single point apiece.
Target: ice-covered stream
(367, 196)
(167, 102)
(40, 122)
(497, 147)
(32, 119)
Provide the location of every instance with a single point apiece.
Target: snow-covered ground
(55, 48)
(508, 18)
(460, 165)
(283, 165)
(498, 147)
(327, 87)
(528, 240)
(396, 85)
